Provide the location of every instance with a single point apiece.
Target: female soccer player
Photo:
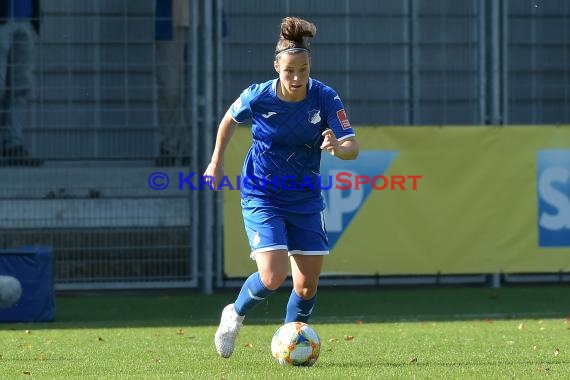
(294, 118)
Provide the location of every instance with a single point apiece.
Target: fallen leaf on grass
(414, 360)
(333, 340)
(348, 337)
(27, 373)
(248, 345)
(557, 352)
(180, 332)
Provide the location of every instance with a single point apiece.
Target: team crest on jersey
(314, 116)
(343, 119)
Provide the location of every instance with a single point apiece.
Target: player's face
(294, 70)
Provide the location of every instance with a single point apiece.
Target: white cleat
(225, 338)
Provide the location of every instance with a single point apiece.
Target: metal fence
(419, 62)
(536, 62)
(94, 128)
(94, 135)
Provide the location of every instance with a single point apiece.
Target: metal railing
(93, 130)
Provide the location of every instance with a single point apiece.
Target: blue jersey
(282, 167)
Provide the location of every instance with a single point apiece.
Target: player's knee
(273, 280)
(306, 292)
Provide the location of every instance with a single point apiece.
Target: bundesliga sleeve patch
(341, 114)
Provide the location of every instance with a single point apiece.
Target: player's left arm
(345, 149)
(339, 136)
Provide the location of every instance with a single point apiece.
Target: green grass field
(514, 332)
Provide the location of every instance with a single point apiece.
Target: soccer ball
(10, 291)
(296, 344)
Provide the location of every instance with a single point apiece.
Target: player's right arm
(238, 113)
(215, 170)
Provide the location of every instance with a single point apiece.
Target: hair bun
(296, 29)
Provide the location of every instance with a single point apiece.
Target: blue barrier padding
(32, 266)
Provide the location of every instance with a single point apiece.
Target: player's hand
(330, 142)
(213, 175)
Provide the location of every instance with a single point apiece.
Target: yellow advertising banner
(428, 200)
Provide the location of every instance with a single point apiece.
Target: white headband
(292, 50)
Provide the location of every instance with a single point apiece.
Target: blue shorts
(270, 228)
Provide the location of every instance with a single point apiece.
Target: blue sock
(298, 309)
(252, 293)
